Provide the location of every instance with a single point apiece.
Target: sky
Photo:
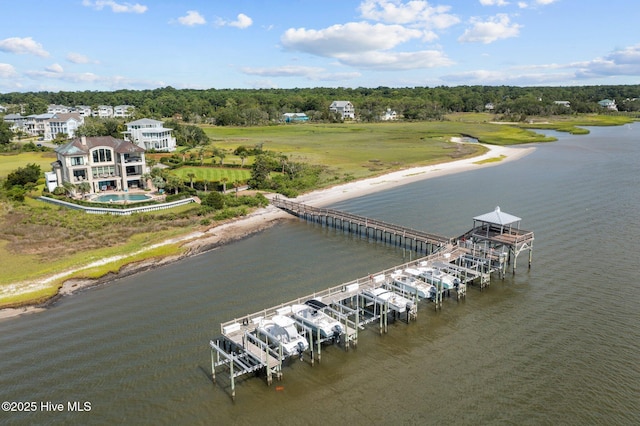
(106, 45)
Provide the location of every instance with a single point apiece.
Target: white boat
(410, 283)
(282, 330)
(435, 276)
(396, 302)
(311, 315)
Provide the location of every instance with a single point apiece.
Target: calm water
(557, 344)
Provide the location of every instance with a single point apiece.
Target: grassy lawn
(213, 174)
(362, 150)
(9, 163)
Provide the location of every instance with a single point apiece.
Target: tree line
(248, 107)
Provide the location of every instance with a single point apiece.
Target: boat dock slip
(262, 341)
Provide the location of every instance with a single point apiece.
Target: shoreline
(197, 243)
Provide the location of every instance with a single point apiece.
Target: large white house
(344, 108)
(150, 134)
(105, 162)
(65, 124)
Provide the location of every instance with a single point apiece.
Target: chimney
(83, 139)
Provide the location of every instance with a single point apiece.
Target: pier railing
(378, 228)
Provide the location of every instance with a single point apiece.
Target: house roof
(66, 117)
(498, 217)
(76, 147)
(144, 121)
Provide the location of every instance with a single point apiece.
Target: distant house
(294, 117)
(105, 162)
(16, 121)
(344, 108)
(36, 124)
(389, 114)
(608, 104)
(123, 110)
(65, 124)
(150, 134)
(3, 109)
(83, 110)
(58, 109)
(103, 111)
(489, 106)
(566, 104)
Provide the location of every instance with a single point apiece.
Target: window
(77, 161)
(102, 156)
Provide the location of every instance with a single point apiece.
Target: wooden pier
(418, 241)
(494, 241)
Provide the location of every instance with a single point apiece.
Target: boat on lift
(312, 315)
(281, 330)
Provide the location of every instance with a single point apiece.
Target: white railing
(118, 212)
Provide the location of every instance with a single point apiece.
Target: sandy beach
(200, 242)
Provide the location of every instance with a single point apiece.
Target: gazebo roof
(498, 217)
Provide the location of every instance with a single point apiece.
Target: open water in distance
(557, 344)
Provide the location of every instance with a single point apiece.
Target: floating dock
(494, 242)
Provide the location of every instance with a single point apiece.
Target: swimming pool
(114, 198)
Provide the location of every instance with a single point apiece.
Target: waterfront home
(608, 104)
(150, 134)
(344, 108)
(294, 117)
(105, 162)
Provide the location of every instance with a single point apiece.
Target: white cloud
(494, 2)
(115, 7)
(7, 71)
(545, 2)
(284, 71)
(242, 22)
(78, 58)
(495, 28)
(620, 62)
(22, 46)
(397, 60)
(55, 68)
(192, 18)
(110, 82)
(412, 12)
(353, 38)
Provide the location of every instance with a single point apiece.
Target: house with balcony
(83, 110)
(344, 108)
(123, 111)
(150, 134)
(105, 162)
(103, 111)
(36, 124)
(65, 124)
(389, 115)
(58, 109)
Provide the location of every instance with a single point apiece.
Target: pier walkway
(449, 267)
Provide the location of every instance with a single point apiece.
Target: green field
(9, 163)
(213, 174)
(362, 150)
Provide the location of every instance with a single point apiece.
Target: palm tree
(243, 156)
(191, 175)
(83, 187)
(224, 181)
(69, 187)
(145, 179)
(158, 182)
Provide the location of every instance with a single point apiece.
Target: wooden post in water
(213, 367)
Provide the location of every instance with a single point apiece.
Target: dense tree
(23, 175)
(6, 135)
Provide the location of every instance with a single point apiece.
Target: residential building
(344, 108)
(123, 110)
(65, 124)
(16, 121)
(36, 124)
(83, 110)
(294, 117)
(566, 104)
(103, 111)
(608, 104)
(3, 109)
(389, 114)
(489, 106)
(58, 109)
(105, 162)
(150, 134)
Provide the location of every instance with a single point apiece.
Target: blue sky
(108, 45)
